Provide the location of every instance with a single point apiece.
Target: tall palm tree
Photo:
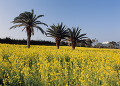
(29, 21)
(74, 36)
(58, 32)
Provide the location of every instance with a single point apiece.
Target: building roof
(105, 42)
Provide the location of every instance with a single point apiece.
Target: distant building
(111, 44)
(105, 44)
(117, 45)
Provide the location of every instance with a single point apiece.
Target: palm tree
(29, 21)
(57, 32)
(74, 36)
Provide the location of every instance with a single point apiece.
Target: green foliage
(57, 31)
(74, 34)
(28, 19)
(23, 42)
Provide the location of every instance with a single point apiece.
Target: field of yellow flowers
(48, 66)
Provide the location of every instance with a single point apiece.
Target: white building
(105, 44)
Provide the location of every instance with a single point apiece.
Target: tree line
(8, 40)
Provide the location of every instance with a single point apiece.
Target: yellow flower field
(48, 66)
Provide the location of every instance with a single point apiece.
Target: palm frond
(24, 28)
(39, 28)
(32, 31)
(38, 22)
(19, 25)
(32, 12)
(81, 35)
(38, 17)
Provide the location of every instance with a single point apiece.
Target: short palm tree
(58, 32)
(29, 21)
(74, 36)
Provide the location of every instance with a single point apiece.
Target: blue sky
(100, 19)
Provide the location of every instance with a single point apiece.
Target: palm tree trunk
(73, 45)
(28, 41)
(57, 43)
(28, 36)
